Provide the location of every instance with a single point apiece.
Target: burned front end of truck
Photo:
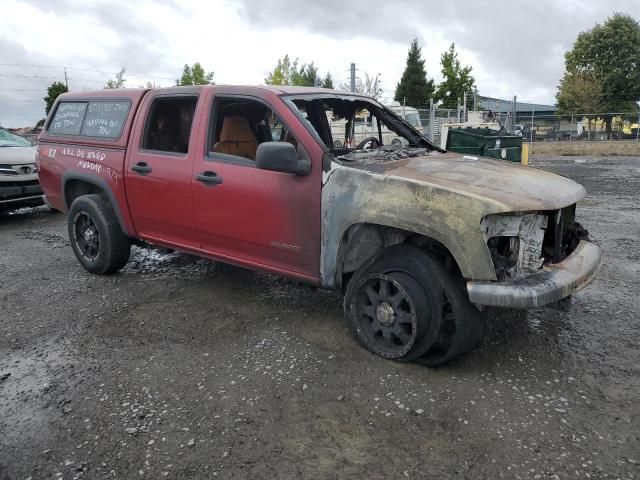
(540, 258)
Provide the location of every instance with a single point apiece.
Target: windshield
(413, 119)
(358, 130)
(8, 139)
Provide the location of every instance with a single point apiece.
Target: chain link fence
(540, 127)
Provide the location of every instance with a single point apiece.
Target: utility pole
(66, 82)
(475, 99)
(316, 81)
(514, 110)
(353, 78)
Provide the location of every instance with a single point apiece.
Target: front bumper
(553, 283)
(14, 191)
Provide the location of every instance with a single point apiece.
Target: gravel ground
(182, 368)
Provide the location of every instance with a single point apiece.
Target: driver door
(259, 218)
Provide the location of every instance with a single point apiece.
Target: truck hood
(17, 155)
(515, 187)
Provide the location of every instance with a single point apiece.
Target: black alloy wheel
(86, 236)
(386, 311)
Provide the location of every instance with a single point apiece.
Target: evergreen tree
(54, 90)
(457, 80)
(306, 76)
(414, 89)
(195, 75)
(328, 81)
(289, 72)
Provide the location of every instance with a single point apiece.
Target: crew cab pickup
(420, 240)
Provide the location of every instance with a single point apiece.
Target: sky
(515, 48)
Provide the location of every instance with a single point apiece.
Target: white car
(19, 186)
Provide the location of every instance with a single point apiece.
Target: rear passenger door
(159, 168)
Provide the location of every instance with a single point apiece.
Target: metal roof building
(498, 105)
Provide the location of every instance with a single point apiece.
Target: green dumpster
(485, 142)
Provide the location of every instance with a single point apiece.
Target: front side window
(168, 127)
(239, 125)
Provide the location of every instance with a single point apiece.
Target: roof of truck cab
(105, 93)
(138, 92)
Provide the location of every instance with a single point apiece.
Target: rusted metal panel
(442, 196)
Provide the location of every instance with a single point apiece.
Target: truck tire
(463, 325)
(393, 306)
(95, 235)
(447, 325)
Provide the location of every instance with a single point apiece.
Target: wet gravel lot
(182, 368)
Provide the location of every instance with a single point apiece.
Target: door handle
(141, 168)
(209, 178)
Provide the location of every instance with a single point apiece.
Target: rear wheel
(96, 236)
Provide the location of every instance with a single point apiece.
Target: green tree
(117, 82)
(579, 93)
(457, 80)
(608, 54)
(328, 81)
(288, 72)
(306, 77)
(195, 75)
(54, 90)
(414, 89)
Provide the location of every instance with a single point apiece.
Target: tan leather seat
(237, 138)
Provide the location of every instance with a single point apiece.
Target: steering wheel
(372, 140)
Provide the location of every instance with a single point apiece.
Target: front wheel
(95, 234)
(407, 306)
(393, 306)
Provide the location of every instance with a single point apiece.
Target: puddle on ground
(151, 260)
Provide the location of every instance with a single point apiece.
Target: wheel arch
(76, 184)
(362, 243)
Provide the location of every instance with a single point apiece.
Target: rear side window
(97, 119)
(168, 125)
(68, 118)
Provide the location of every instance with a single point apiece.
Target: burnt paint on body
(441, 196)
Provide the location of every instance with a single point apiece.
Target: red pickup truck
(298, 182)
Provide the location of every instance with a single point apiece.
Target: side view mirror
(281, 157)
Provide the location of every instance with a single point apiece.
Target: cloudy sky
(515, 48)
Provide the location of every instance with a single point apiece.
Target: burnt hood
(514, 186)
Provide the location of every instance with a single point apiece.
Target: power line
(102, 72)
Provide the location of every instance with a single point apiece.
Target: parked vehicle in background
(19, 186)
(419, 239)
(361, 127)
(408, 114)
